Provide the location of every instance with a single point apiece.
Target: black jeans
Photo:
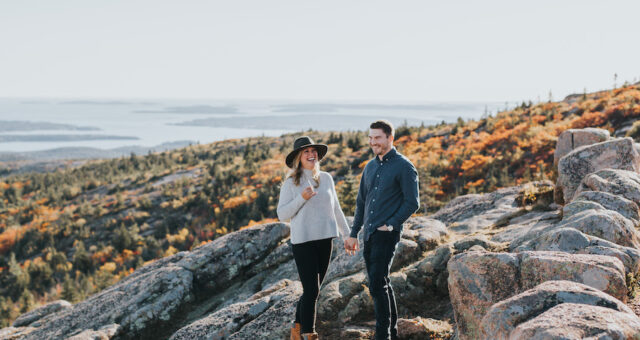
(312, 259)
(378, 254)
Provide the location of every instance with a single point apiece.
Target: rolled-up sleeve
(411, 197)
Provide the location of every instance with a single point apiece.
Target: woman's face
(309, 158)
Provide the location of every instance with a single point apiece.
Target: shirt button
(374, 199)
(378, 175)
(372, 211)
(376, 188)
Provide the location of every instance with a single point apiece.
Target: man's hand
(351, 245)
(385, 228)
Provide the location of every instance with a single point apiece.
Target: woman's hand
(308, 193)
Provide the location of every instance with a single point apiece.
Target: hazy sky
(319, 50)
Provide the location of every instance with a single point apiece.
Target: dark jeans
(312, 259)
(378, 254)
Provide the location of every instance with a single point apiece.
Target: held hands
(351, 245)
(308, 193)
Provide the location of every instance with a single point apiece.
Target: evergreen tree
(81, 259)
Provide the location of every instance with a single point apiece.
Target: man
(388, 195)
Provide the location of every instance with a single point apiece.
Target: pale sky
(316, 50)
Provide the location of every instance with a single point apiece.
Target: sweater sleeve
(289, 203)
(343, 225)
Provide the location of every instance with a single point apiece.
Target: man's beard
(380, 150)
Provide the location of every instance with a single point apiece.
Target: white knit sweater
(319, 217)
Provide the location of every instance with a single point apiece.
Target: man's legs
(378, 254)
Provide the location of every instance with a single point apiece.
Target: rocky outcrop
(614, 181)
(593, 245)
(478, 279)
(575, 166)
(32, 317)
(147, 303)
(574, 138)
(471, 213)
(574, 241)
(262, 316)
(577, 321)
(503, 317)
(604, 199)
(243, 285)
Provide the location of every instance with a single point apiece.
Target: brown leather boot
(295, 332)
(310, 336)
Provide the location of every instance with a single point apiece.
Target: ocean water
(38, 124)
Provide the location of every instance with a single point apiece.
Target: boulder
(476, 240)
(470, 213)
(428, 275)
(15, 333)
(574, 138)
(605, 224)
(266, 316)
(574, 241)
(503, 317)
(477, 280)
(428, 233)
(423, 328)
(617, 203)
(575, 166)
(525, 227)
(40, 312)
(616, 182)
(601, 272)
(579, 321)
(335, 295)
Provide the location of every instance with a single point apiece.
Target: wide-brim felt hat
(305, 142)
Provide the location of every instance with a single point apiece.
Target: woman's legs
(312, 260)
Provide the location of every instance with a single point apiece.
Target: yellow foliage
(170, 251)
(180, 237)
(108, 267)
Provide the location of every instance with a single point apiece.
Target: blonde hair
(297, 170)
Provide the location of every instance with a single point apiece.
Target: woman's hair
(297, 170)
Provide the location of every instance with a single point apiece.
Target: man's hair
(383, 124)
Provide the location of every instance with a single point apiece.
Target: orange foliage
(10, 236)
(235, 202)
(264, 221)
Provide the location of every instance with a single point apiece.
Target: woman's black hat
(304, 142)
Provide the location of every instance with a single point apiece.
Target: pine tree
(81, 259)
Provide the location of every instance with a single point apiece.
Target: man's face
(379, 141)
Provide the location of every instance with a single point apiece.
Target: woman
(308, 198)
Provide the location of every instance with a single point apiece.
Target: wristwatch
(389, 228)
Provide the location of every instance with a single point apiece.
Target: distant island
(16, 125)
(299, 122)
(206, 109)
(102, 102)
(60, 138)
(334, 107)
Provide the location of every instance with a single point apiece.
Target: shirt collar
(390, 155)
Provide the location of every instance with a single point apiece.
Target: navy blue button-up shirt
(388, 194)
